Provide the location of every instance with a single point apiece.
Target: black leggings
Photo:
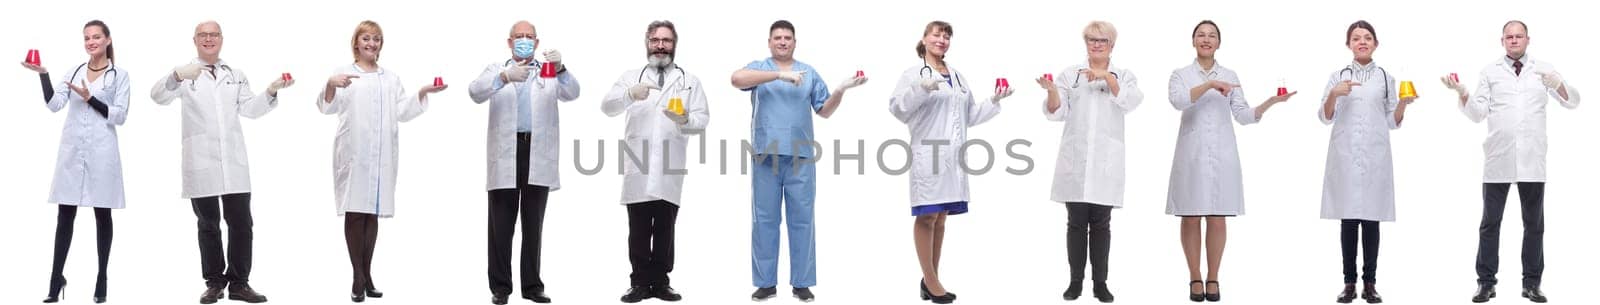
(65, 215)
(1368, 236)
(360, 237)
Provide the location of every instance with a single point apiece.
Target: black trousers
(360, 237)
(650, 235)
(1088, 238)
(503, 207)
(65, 215)
(1494, 207)
(217, 269)
(1365, 232)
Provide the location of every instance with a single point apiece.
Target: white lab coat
(1516, 146)
(1358, 182)
(545, 145)
(214, 158)
(1090, 166)
(1206, 178)
(937, 176)
(366, 147)
(88, 163)
(649, 131)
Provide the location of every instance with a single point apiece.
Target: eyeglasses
(1091, 40)
(210, 35)
(663, 40)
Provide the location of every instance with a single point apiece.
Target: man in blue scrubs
(783, 94)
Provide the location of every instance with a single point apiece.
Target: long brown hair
(111, 54)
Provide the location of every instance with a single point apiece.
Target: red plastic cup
(1049, 77)
(1283, 91)
(1454, 78)
(860, 73)
(547, 70)
(438, 81)
(33, 57)
(286, 76)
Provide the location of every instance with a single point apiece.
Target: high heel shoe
(55, 292)
(1197, 297)
(928, 295)
(1213, 295)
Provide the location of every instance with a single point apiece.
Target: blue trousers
(786, 185)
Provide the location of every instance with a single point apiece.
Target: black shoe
(1348, 295)
(1197, 297)
(1485, 292)
(1370, 293)
(372, 292)
(925, 294)
(1102, 293)
(56, 285)
(762, 294)
(1533, 294)
(500, 299)
(358, 297)
(804, 295)
(536, 297)
(100, 299)
(636, 294)
(1073, 291)
(211, 295)
(1214, 295)
(666, 293)
(947, 298)
(244, 293)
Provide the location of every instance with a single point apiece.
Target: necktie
(1517, 64)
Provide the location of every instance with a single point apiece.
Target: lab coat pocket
(195, 162)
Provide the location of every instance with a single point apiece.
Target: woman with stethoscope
(936, 103)
(371, 102)
(1206, 183)
(88, 166)
(1358, 183)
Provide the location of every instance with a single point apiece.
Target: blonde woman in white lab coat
(1363, 104)
(89, 165)
(371, 102)
(1092, 98)
(935, 101)
(1206, 184)
(1511, 94)
(652, 186)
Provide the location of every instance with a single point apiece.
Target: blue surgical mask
(523, 48)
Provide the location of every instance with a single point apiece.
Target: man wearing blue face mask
(524, 132)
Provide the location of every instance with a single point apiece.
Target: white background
(1009, 250)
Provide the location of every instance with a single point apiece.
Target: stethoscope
(112, 70)
(953, 75)
(661, 78)
(1079, 79)
(1352, 72)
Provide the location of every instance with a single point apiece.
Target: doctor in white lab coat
(524, 153)
(658, 138)
(1092, 97)
(936, 103)
(1206, 184)
(371, 102)
(1362, 103)
(88, 163)
(215, 166)
(1512, 92)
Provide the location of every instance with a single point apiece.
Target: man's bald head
(523, 28)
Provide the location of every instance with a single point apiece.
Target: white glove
(1551, 79)
(515, 74)
(793, 77)
(555, 57)
(641, 91)
(931, 84)
(1453, 85)
(189, 72)
(279, 84)
(677, 119)
(852, 83)
(1002, 95)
